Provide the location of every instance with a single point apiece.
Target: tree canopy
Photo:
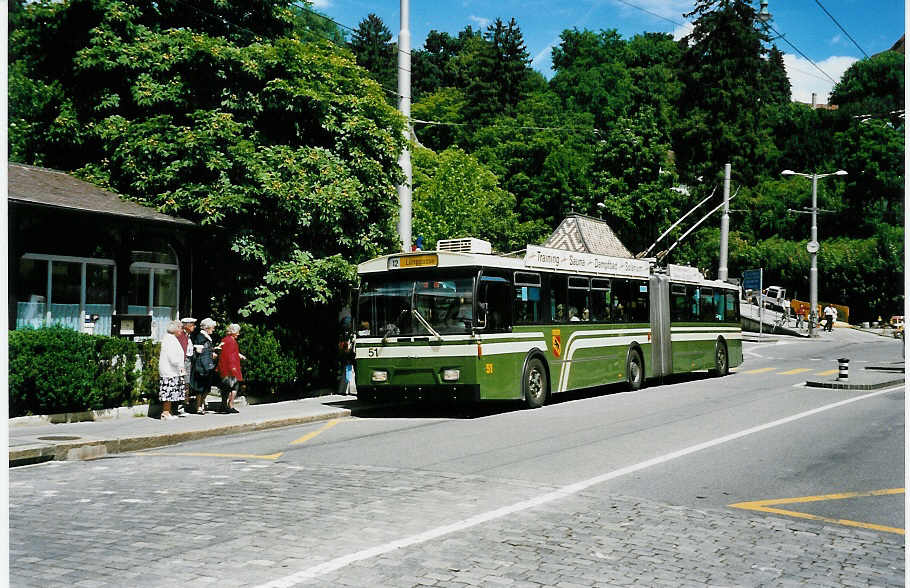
(264, 122)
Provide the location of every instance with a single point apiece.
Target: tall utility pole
(404, 105)
(724, 227)
(812, 246)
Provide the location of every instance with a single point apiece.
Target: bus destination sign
(558, 259)
(407, 261)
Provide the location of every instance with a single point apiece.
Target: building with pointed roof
(586, 234)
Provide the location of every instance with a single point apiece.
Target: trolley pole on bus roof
(404, 105)
(724, 227)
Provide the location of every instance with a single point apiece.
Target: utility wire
(795, 48)
(842, 28)
(636, 7)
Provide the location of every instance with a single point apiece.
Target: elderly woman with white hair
(229, 368)
(171, 370)
(203, 372)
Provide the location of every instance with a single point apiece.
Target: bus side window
(527, 303)
(679, 310)
(600, 300)
(620, 301)
(692, 300)
(558, 299)
(706, 310)
(638, 307)
(578, 298)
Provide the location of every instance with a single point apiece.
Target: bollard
(843, 369)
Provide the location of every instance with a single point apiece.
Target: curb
(849, 386)
(93, 449)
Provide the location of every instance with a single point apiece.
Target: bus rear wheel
(721, 362)
(534, 384)
(635, 371)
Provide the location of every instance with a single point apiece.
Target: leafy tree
(635, 180)
(591, 74)
(434, 66)
(544, 157)
(653, 64)
(873, 86)
(499, 73)
(775, 77)
(872, 152)
(456, 196)
(372, 45)
(285, 148)
(725, 93)
(445, 106)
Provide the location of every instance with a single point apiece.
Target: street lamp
(812, 246)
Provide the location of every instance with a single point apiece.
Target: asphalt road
(601, 488)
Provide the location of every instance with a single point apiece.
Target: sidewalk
(33, 443)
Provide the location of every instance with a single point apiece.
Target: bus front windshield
(393, 306)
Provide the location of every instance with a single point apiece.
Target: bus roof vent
(465, 245)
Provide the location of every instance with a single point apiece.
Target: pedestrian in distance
(203, 371)
(171, 370)
(229, 368)
(185, 337)
(830, 314)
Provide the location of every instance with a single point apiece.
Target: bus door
(661, 352)
(494, 304)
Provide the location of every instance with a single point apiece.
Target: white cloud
(806, 79)
(481, 21)
(543, 55)
(680, 32)
(321, 4)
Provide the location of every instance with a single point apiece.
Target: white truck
(773, 298)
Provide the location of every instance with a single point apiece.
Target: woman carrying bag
(229, 368)
(203, 363)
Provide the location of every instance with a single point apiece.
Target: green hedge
(55, 370)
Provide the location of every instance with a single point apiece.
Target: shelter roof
(48, 187)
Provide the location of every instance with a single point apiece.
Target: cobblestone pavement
(188, 521)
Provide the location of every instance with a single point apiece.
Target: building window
(154, 287)
(62, 290)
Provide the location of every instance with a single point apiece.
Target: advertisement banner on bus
(558, 259)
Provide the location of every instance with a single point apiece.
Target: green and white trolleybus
(463, 323)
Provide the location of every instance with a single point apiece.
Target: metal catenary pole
(404, 105)
(724, 227)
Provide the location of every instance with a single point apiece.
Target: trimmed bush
(268, 366)
(56, 370)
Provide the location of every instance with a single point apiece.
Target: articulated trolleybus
(463, 323)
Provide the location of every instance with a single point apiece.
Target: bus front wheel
(635, 370)
(534, 383)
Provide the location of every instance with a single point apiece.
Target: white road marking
(560, 493)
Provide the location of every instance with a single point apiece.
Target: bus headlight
(451, 375)
(380, 376)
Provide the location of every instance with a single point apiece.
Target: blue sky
(874, 24)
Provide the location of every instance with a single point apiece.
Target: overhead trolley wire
(842, 28)
(795, 48)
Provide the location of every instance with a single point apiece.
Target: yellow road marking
(760, 370)
(828, 372)
(765, 506)
(795, 371)
(272, 456)
(309, 436)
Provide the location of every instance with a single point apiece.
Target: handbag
(228, 382)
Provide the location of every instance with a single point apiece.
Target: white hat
(188, 320)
